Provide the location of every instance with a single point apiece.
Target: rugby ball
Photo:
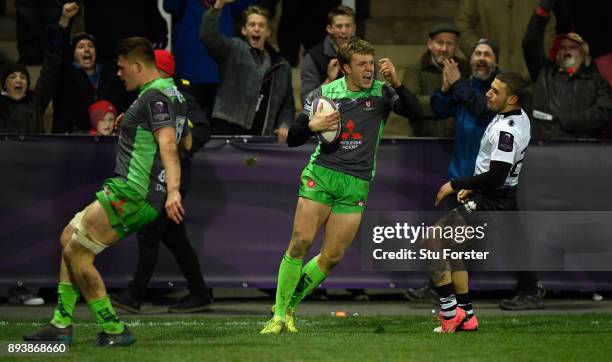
(328, 107)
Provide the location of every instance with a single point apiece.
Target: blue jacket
(193, 62)
(466, 101)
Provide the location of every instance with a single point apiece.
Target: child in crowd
(102, 115)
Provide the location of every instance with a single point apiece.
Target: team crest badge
(369, 105)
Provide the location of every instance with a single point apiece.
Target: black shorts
(504, 235)
(498, 200)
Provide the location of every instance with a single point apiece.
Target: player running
(147, 176)
(335, 183)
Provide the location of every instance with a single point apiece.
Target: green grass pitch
(553, 337)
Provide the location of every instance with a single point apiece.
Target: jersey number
(514, 172)
(180, 123)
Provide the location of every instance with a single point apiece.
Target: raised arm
(533, 45)
(217, 44)
(406, 104)
(51, 69)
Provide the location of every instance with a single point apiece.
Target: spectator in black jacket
(83, 81)
(173, 235)
(22, 110)
(571, 99)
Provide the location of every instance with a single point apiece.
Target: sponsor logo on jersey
(349, 138)
(506, 141)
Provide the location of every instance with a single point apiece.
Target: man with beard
(465, 100)
(321, 61)
(571, 99)
(425, 77)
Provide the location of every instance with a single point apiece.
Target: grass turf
(535, 337)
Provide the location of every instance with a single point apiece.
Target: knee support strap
(80, 235)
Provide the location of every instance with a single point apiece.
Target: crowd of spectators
(246, 88)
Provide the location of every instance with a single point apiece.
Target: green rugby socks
(106, 315)
(311, 277)
(288, 277)
(67, 296)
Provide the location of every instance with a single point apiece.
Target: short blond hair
(354, 46)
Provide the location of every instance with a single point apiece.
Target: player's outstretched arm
(168, 149)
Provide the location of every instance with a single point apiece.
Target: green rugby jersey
(159, 104)
(363, 117)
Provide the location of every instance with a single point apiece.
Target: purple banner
(241, 204)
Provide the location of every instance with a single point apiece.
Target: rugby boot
(451, 325)
(49, 332)
(122, 339)
(470, 324)
(290, 324)
(273, 326)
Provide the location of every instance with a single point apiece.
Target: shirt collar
(514, 112)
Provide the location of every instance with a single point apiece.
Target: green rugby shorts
(346, 194)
